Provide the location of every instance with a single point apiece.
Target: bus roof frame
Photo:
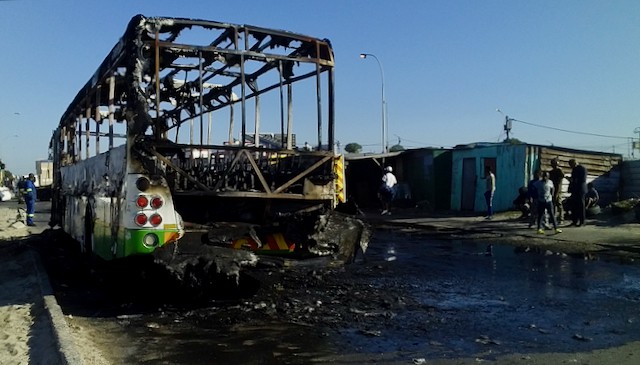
(234, 44)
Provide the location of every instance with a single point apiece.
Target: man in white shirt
(545, 191)
(490, 179)
(387, 190)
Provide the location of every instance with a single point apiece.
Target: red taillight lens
(141, 219)
(156, 202)
(142, 201)
(155, 220)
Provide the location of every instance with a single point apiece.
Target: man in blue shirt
(29, 194)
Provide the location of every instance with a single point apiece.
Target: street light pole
(384, 102)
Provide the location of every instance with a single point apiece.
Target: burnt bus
(185, 135)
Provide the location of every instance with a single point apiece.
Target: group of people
(542, 198)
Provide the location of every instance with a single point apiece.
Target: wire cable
(568, 131)
(420, 143)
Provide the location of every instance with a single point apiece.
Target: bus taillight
(141, 219)
(142, 201)
(156, 202)
(155, 220)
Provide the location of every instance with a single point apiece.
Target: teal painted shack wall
(514, 166)
(428, 173)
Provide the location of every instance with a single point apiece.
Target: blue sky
(569, 65)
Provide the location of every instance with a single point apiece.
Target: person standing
(387, 190)
(544, 189)
(556, 175)
(21, 184)
(532, 195)
(490, 180)
(578, 190)
(30, 195)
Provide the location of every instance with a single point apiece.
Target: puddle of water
(527, 301)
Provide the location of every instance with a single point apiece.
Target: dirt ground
(319, 302)
(25, 332)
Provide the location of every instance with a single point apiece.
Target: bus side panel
(102, 240)
(89, 188)
(74, 217)
(106, 201)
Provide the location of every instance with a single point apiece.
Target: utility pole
(507, 123)
(635, 145)
(507, 126)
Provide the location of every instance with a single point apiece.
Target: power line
(420, 143)
(568, 131)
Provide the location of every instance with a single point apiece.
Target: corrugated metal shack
(364, 174)
(604, 169)
(630, 180)
(424, 177)
(514, 165)
(427, 171)
(510, 163)
(452, 179)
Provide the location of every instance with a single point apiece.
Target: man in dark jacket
(578, 190)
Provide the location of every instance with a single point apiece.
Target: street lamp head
(363, 55)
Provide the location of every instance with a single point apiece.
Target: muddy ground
(413, 298)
